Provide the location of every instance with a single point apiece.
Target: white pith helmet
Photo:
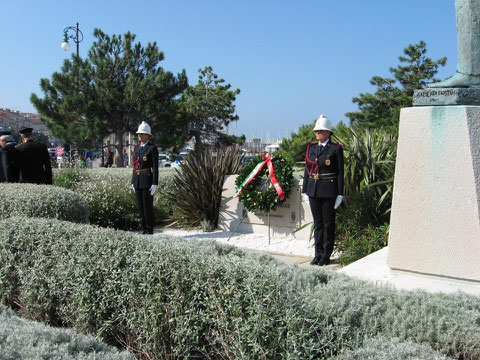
(323, 123)
(144, 128)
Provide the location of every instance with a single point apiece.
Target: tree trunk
(198, 146)
(119, 149)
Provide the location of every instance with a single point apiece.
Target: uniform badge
(316, 177)
(144, 158)
(327, 162)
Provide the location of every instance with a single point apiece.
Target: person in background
(9, 158)
(80, 162)
(323, 188)
(125, 157)
(34, 161)
(145, 175)
(2, 175)
(109, 162)
(88, 158)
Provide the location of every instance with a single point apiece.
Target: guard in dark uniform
(2, 171)
(323, 188)
(145, 175)
(34, 161)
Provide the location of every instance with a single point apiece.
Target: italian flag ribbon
(267, 159)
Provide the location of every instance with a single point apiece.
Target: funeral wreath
(264, 183)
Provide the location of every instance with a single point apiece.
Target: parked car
(52, 154)
(164, 161)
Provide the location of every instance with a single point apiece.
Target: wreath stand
(267, 184)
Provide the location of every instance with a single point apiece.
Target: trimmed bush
(172, 298)
(381, 349)
(110, 198)
(42, 201)
(24, 339)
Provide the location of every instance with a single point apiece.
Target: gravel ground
(280, 245)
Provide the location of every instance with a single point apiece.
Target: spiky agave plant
(198, 186)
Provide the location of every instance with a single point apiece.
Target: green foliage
(383, 107)
(42, 201)
(110, 198)
(198, 186)
(67, 177)
(254, 197)
(172, 298)
(382, 349)
(355, 243)
(370, 156)
(294, 149)
(208, 106)
(117, 86)
(24, 339)
(224, 140)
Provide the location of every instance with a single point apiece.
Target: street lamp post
(77, 37)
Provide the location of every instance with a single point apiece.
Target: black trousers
(324, 226)
(145, 205)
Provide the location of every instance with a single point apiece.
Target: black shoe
(323, 262)
(314, 261)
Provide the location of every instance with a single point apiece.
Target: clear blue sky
(292, 60)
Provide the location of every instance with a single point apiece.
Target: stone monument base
(288, 217)
(446, 96)
(435, 223)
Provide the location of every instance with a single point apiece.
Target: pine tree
(208, 106)
(383, 107)
(119, 85)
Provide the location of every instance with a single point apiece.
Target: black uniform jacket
(34, 163)
(330, 171)
(10, 160)
(145, 166)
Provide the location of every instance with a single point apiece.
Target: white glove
(152, 189)
(133, 187)
(306, 199)
(338, 201)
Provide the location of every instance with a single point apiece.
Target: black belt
(141, 171)
(323, 176)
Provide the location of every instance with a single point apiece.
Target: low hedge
(171, 298)
(110, 198)
(42, 201)
(24, 339)
(382, 349)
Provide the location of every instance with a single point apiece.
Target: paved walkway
(302, 261)
(374, 268)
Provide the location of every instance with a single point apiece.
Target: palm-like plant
(198, 186)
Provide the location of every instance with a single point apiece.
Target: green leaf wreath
(253, 196)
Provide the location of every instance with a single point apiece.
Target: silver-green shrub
(46, 201)
(25, 339)
(382, 349)
(175, 298)
(110, 198)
